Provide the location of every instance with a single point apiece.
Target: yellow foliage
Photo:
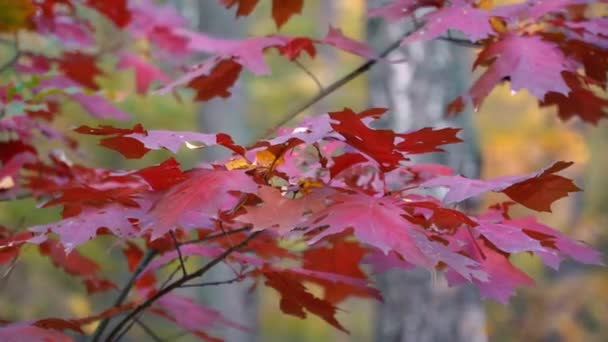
(14, 14)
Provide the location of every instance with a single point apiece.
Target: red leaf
(536, 191)
(295, 46)
(540, 192)
(427, 140)
(358, 135)
(244, 7)
(280, 213)
(344, 161)
(217, 84)
(341, 258)
(145, 72)
(115, 10)
(197, 201)
(282, 10)
(133, 254)
(473, 22)
(517, 57)
(81, 68)
(164, 175)
(295, 299)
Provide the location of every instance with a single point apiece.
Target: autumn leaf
(282, 10)
(219, 81)
(81, 68)
(15, 14)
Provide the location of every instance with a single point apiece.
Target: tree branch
(214, 283)
(337, 84)
(179, 253)
(150, 254)
(178, 283)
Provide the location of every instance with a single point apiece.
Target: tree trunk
(228, 115)
(419, 307)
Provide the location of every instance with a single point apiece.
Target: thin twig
(310, 74)
(179, 253)
(336, 85)
(150, 254)
(178, 283)
(214, 283)
(216, 235)
(459, 41)
(148, 331)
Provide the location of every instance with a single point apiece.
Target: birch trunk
(417, 308)
(228, 115)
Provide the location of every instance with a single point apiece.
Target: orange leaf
(282, 10)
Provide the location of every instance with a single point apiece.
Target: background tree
(306, 207)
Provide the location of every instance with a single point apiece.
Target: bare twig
(178, 283)
(148, 331)
(459, 41)
(179, 253)
(310, 74)
(214, 283)
(336, 85)
(150, 254)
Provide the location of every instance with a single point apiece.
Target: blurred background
(508, 135)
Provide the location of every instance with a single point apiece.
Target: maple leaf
(473, 22)
(129, 147)
(379, 222)
(282, 10)
(336, 38)
(518, 57)
(427, 140)
(81, 68)
(163, 175)
(243, 7)
(218, 82)
(145, 72)
(536, 191)
(280, 213)
(294, 47)
(358, 135)
(76, 264)
(539, 192)
(503, 277)
(397, 9)
(116, 10)
(197, 201)
(341, 258)
(76, 230)
(295, 298)
(192, 316)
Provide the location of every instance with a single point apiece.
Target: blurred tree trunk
(417, 308)
(227, 115)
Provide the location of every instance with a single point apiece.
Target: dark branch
(214, 283)
(150, 254)
(310, 74)
(179, 253)
(176, 284)
(337, 85)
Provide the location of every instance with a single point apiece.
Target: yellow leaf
(485, 4)
(498, 24)
(240, 163)
(14, 14)
(267, 159)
